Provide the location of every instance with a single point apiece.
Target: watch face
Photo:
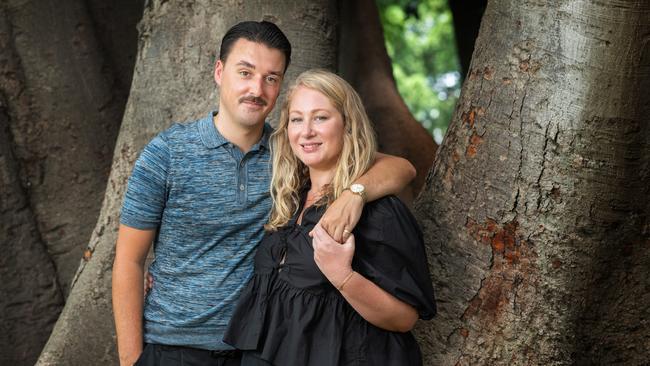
(357, 188)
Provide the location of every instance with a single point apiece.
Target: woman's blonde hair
(290, 175)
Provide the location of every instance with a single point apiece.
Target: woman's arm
(375, 305)
(388, 175)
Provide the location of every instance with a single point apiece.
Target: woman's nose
(307, 128)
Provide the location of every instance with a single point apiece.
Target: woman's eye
(295, 119)
(320, 118)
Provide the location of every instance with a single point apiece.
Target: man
(199, 191)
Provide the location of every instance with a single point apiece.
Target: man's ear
(218, 71)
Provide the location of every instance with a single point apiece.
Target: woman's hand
(373, 303)
(332, 258)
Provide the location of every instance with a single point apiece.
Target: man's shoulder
(181, 136)
(181, 130)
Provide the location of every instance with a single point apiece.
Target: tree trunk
(30, 298)
(364, 62)
(536, 210)
(172, 82)
(60, 120)
(64, 117)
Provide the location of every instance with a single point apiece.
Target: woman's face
(315, 129)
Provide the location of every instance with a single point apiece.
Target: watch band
(359, 190)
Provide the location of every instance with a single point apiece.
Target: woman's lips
(310, 147)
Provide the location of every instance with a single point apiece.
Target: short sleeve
(390, 252)
(146, 192)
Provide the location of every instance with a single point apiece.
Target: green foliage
(420, 41)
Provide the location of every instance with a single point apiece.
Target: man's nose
(256, 86)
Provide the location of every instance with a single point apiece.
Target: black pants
(161, 355)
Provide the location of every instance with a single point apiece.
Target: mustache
(256, 100)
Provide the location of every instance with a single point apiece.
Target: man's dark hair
(262, 32)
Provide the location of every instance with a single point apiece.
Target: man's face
(249, 82)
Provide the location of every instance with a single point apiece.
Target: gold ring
(347, 231)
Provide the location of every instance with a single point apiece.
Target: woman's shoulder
(387, 206)
(385, 218)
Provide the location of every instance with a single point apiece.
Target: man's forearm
(128, 296)
(388, 175)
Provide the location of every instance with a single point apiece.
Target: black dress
(290, 314)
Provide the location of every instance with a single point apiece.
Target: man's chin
(253, 122)
(255, 116)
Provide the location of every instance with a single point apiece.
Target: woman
(330, 304)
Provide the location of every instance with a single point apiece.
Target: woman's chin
(321, 168)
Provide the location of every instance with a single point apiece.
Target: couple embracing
(336, 274)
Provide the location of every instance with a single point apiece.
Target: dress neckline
(302, 201)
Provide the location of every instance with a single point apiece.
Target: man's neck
(243, 138)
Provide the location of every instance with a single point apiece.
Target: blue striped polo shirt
(209, 202)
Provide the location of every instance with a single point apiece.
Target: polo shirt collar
(266, 134)
(212, 138)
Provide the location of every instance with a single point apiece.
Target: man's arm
(388, 175)
(128, 270)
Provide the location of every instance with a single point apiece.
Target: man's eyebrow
(246, 63)
(251, 66)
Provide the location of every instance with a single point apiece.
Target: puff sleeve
(390, 252)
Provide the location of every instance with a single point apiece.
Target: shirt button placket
(241, 181)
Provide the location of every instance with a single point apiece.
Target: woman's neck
(319, 179)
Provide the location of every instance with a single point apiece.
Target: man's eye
(244, 73)
(272, 80)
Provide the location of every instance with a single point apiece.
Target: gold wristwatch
(359, 190)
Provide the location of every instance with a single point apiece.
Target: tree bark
(172, 81)
(30, 297)
(63, 117)
(56, 144)
(364, 62)
(536, 210)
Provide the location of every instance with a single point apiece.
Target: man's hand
(148, 283)
(342, 216)
(332, 258)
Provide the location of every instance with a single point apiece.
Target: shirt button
(241, 187)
